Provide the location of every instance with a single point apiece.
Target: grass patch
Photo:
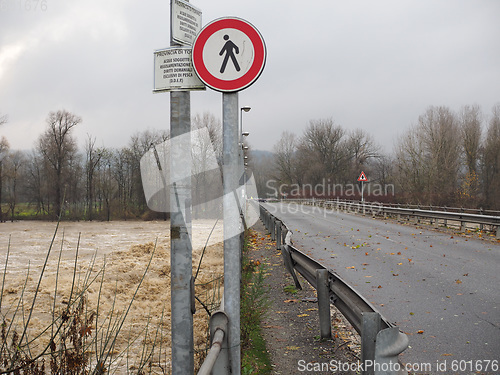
(291, 289)
(254, 305)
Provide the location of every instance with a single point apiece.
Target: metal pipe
(213, 353)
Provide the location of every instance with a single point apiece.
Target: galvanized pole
(180, 236)
(180, 232)
(232, 261)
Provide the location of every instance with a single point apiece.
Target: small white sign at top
(185, 23)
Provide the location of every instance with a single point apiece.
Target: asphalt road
(443, 290)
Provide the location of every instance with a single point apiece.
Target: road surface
(442, 290)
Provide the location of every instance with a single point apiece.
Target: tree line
(92, 183)
(447, 158)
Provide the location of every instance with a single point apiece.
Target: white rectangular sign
(185, 23)
(174, 71)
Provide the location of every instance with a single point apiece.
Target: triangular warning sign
(362, 177)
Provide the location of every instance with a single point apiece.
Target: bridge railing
(445, 216)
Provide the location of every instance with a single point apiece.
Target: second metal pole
(232, 261)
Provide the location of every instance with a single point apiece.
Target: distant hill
(259, 155)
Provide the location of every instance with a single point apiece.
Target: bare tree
(206, 167)
(360, 149)
(285, 158)
(4, 150)
(139, 144)
(491, 161)
(470, 119)
(58, 147)
(93, 156)
(214, 127)
(14, 164)
(322, 151)
(428, 157)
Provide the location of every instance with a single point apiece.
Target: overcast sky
(375, 65)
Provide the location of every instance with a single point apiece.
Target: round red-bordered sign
(229, 54)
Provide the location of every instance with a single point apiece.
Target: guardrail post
(463, 226)
(278, 235)
(498, 232)
(323, 289)
(284, 232)
(370, 328)
(273, 228)
(287, 259)
(390, 342)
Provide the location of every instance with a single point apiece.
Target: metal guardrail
(433, 215)
(381, 341)
(479, 211)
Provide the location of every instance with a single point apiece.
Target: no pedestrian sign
(229, 54)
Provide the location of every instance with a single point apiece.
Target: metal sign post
(180, 235)
(174, 73)
(228, 55)
(232, 261)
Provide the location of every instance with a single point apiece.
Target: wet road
(443, 290)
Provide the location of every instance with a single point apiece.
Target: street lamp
(246, 109)
(242, 157)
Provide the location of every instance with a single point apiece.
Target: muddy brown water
(122, 249)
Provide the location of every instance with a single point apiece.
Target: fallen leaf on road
(291, 300)
(292, 347)
(302, 315)
(350, 268)
(420, 332)
(458, 281)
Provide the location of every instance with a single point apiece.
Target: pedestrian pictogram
(362, 177)
(229, 49)
(229, 54)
